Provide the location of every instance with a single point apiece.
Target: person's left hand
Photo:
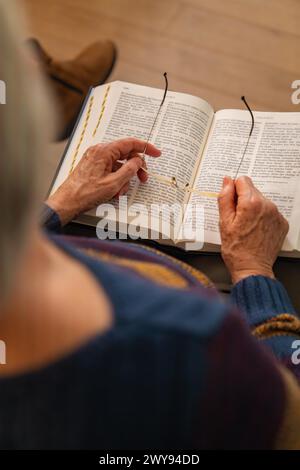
(98, 177)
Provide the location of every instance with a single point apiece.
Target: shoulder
(140, 293)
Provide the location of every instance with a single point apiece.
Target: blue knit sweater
(179, 369)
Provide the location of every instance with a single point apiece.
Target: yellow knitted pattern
(153, 271)
(283, 324)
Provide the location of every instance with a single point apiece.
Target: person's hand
(98, 177)
(252, 229)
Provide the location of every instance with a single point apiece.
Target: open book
(199, 147)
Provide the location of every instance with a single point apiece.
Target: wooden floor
(215, 49)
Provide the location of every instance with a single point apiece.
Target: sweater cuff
(49, 219)
(261, 298)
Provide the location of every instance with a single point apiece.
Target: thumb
(129, 169)
(244, 187)
(244, 191)
(226, 200)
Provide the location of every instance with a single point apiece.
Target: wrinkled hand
(252, 229)
(98, 177)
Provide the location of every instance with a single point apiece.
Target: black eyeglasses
(248, 139)
(157, 114)
(173, 181)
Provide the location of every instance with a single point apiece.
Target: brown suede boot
(72, 79)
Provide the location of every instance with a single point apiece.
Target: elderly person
(110, 345)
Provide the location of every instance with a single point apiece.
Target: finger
(119, 163)
(244, 187)
(124, 174)
(121, 148)
(116, 166)
(248, 181)
(142, 175)
(123, 190)
(248, 194)
(244, 191)
(226, 200)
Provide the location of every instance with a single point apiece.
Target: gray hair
(24, 120)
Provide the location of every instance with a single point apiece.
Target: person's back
(135, 381)
(171, 364)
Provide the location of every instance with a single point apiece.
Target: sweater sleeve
(269, 312)
(49, 219)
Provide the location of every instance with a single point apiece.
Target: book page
(272, 160)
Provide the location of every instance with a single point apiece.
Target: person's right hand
(252, 229)
(99, 176)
